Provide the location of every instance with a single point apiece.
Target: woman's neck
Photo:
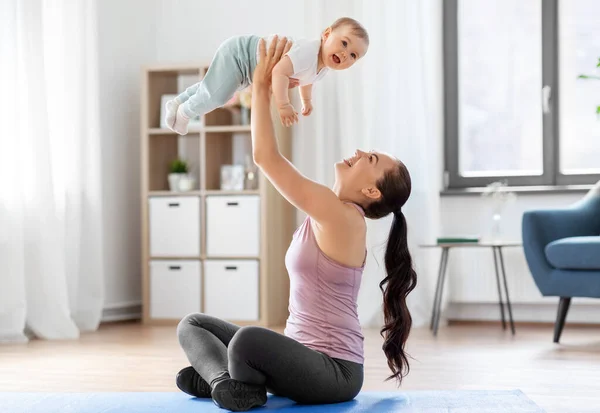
(337, 189)
(342, 194)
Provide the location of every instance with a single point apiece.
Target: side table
(499, 269)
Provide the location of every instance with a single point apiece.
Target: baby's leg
(173, 104)
(171, 107)
(185, 95)
(220, 83)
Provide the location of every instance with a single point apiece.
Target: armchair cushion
(574, 253)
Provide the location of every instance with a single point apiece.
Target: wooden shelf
(170, 193)
(174, 258)
(208, 129)
(229, 258)
(204, 192)
(165, 131)
(215, 141)
(183, 68)
(219, 192)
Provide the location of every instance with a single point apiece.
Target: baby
(232, 67)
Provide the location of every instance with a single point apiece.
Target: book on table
(450, 239)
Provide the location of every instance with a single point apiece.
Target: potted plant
(594, 77)
(179, 178)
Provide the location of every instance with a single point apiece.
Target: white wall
(471, 283)
(126, 41)
(139, 32)
(191, 30)
(133, 33)
(472, 271)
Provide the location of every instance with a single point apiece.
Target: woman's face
(362, 171)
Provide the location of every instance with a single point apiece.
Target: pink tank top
(323, 293)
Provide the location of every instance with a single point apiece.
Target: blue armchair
(562, 249)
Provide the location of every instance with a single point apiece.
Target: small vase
(496, 233)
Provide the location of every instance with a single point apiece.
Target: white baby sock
(171, 114)
(181, 122)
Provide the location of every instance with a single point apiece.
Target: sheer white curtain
(51, 276)
(390, 101)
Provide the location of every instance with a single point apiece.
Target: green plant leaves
(594, 77)
(178, 166)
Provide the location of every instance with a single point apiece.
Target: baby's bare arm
(281, 80)
(306, 93)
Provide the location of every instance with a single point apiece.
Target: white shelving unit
(208, 250)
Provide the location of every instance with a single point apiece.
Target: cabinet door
(175, 289)
(233, 226)
(231, 289)
(174, 226)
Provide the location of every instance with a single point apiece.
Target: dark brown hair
(357, 29)
(401, 279)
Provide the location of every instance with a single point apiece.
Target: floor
(127, 356)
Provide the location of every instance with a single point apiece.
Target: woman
(319, 359)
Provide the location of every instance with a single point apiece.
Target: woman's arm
(316, 200)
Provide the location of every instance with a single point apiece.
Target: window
(516, 109)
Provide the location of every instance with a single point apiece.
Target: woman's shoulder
(354, 206)
(349, 221)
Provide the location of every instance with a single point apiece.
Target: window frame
(551, 176)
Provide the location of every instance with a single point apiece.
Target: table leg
(437, 288)
(499, 289)
(440, 289)
(508, 306)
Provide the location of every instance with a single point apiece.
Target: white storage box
(231, 289)
(174, 226)
(175, 288)
(233, 226)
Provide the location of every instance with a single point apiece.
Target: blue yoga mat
(465, 401)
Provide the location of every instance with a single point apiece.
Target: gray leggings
(256, 355)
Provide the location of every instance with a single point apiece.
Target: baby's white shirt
(304, 55)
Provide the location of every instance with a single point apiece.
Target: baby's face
(341, 49)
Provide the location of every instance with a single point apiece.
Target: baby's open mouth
(336, 59)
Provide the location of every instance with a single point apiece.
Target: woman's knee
(246, 340)
(188, 322)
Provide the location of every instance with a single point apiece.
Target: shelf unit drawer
(174, 226)
(233, 226)
(175, 288)
(231, 289)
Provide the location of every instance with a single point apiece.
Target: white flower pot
(186, 183)
(174, 181)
